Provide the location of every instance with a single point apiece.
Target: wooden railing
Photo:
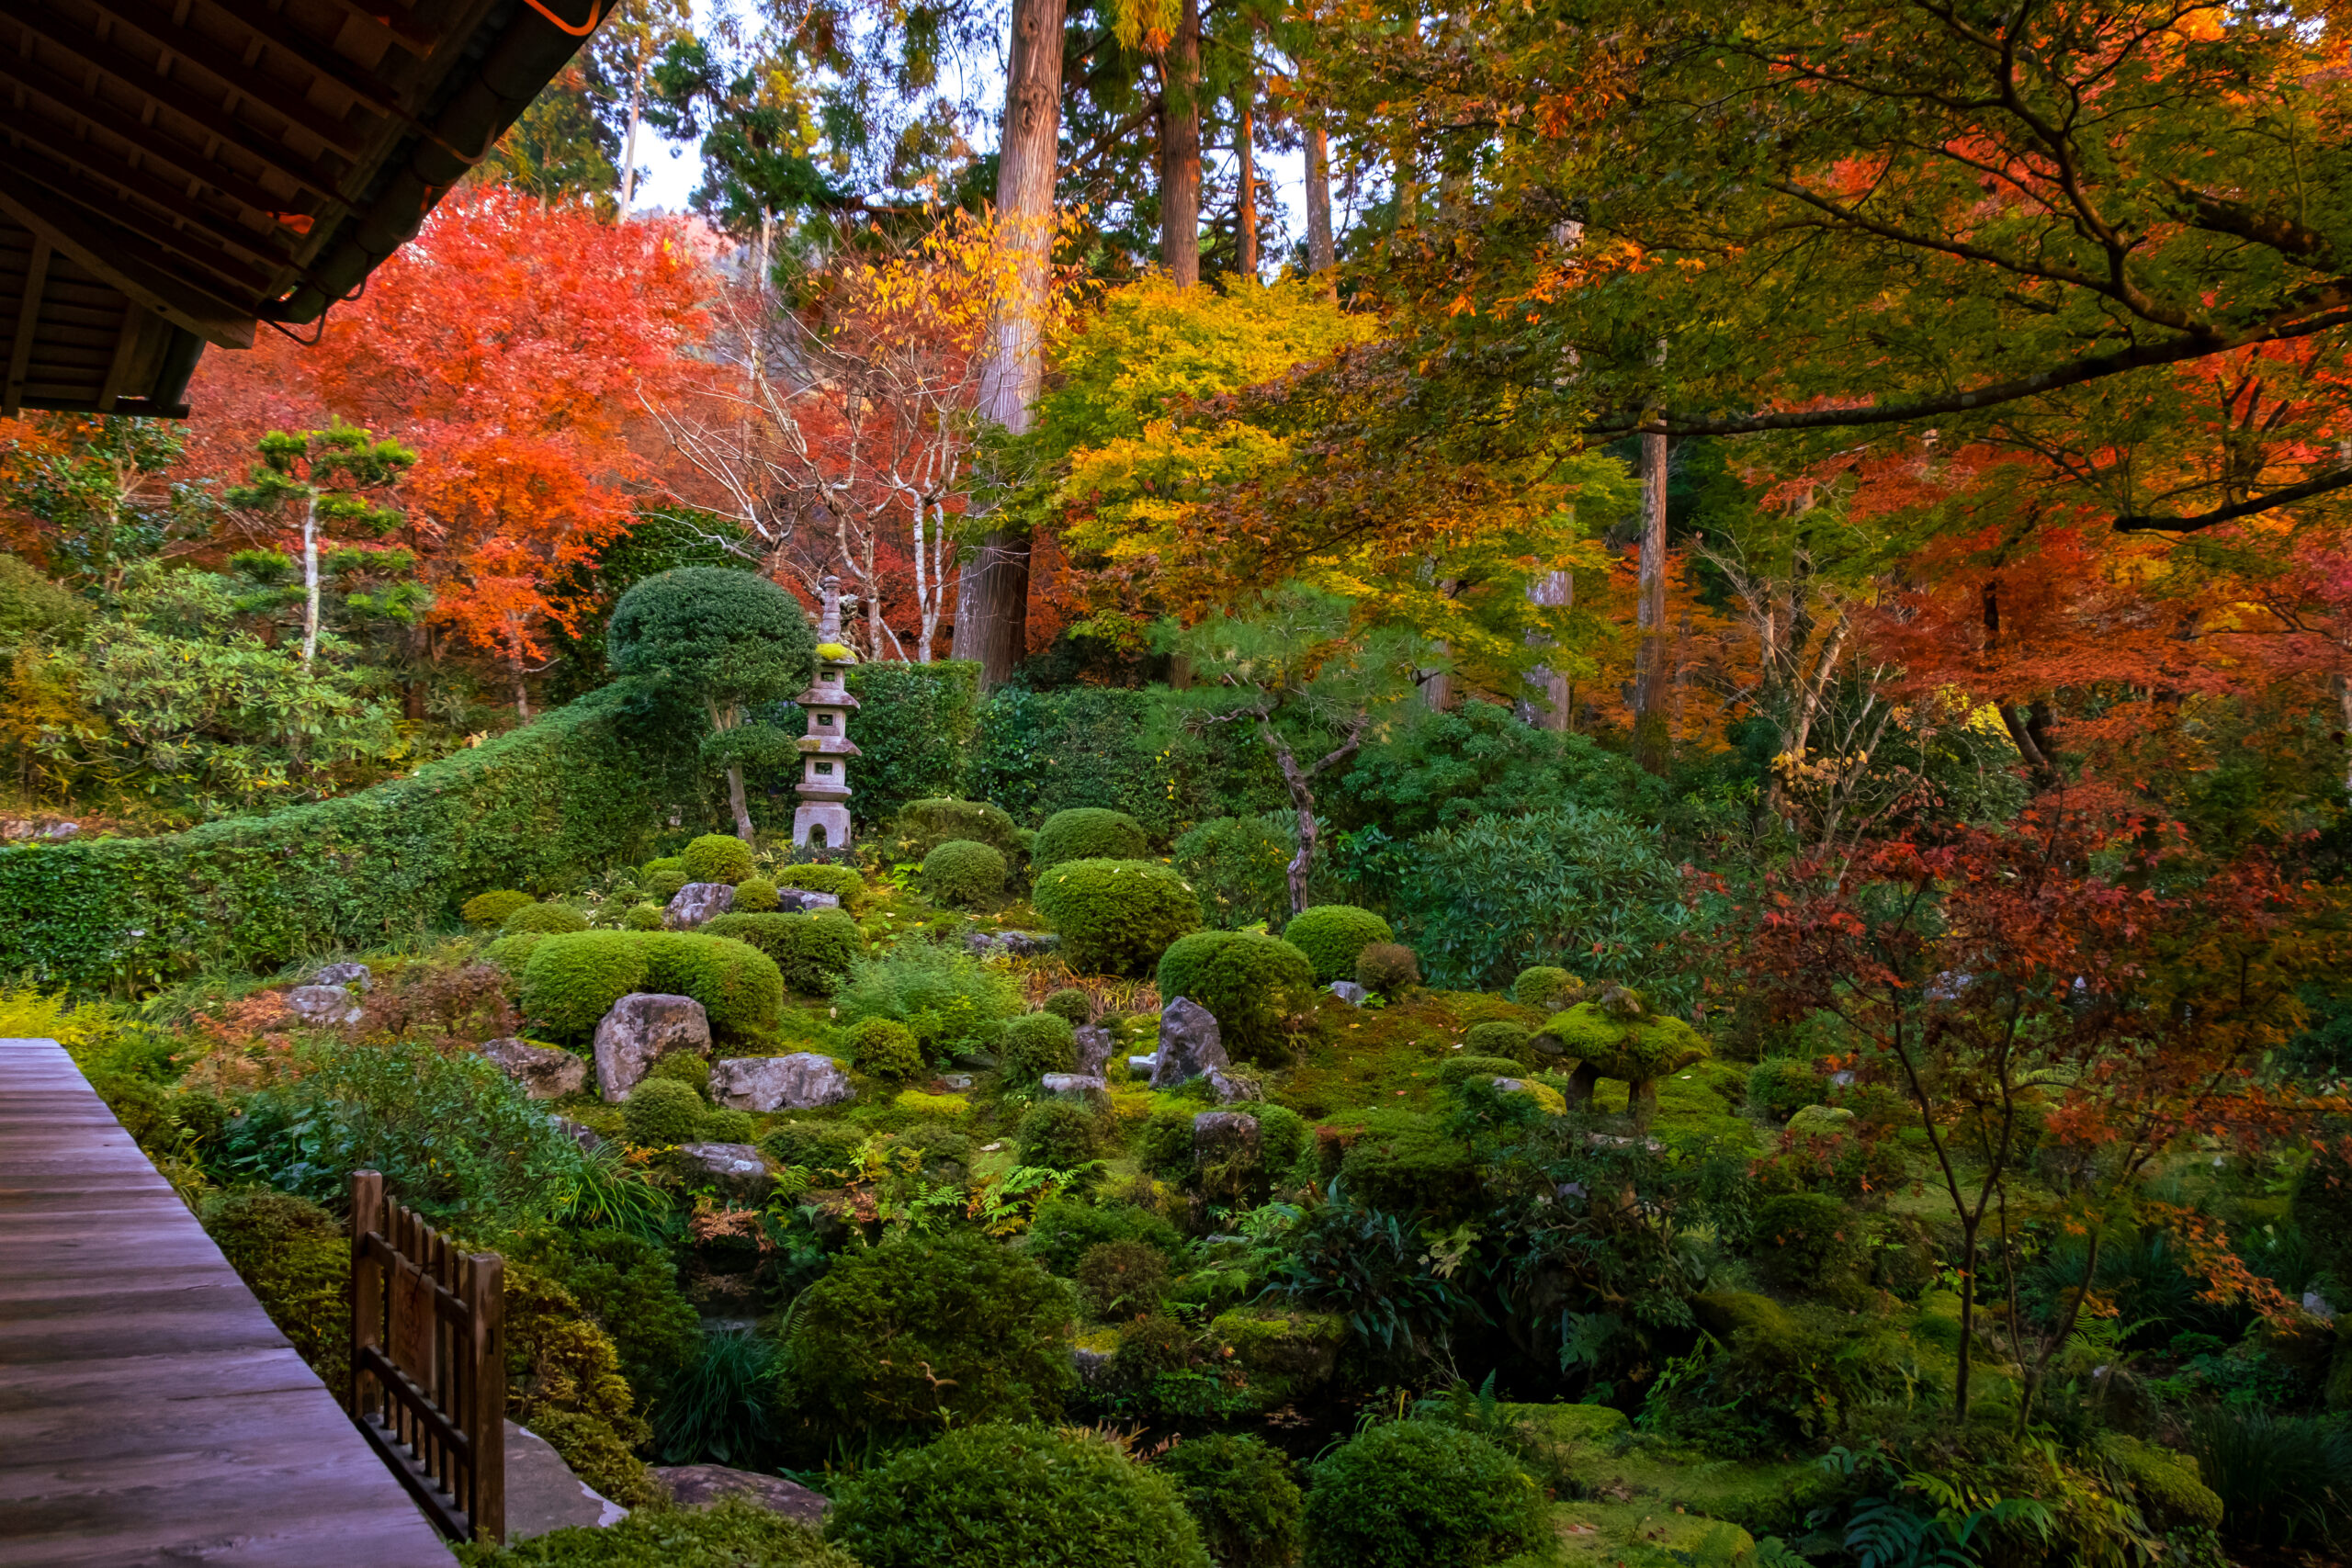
(429, 1363)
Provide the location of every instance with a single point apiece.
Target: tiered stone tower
(823, 814)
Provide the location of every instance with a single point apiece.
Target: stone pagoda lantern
(823, 816)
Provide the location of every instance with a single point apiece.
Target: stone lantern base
(827, 820)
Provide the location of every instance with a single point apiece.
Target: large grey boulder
(1082, 1087)
(324, 1007)
(698, 903)
(1013, 944)
(544, 1072)
(1348, 991)
(1190, 1044)
(799, 1082)
(799, 900)
(642, 1027)
(543, 1495)
(358, 974)
(700, 1485)
(1094, 1048)
(1232, 1088)
(1222, 1136)
(738, 1168)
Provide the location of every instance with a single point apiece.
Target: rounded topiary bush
(1547, 989)
(1781, 1086)
(1122, 1279)
(838, 880)
(1252, 984)
(885, 1048)
(660, 880)
(545, 920)
(729, 1533)
(689, 1067)
(571, 981)
(1056, 1134)
(756, 896)
(922, 825)
(1036, 1043)
(491, 908)
(1804, 1240)
(1405, 1164)
(1331, 935)
(961, 873)
(1417, 1495)
(1007, 1497)
(920, 1332)
(1164, 1147)
(1283, 1136)
(814, 951)
(1243, 1492)
(662, 1112)
(1498, 1039)
(1116, 917)
(817, 1145)
(718, 857)
(1087, 832)
(1072, 1004)
(643, 917)
(728, 1125)
(1458, 1068)
(1388, 969)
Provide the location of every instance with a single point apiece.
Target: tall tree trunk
(992, 597)
(628, 144)
(1557, 591)
(1322, 252)
(310, 577)
(1651, 666)
(1179, 150)
(1246, 217)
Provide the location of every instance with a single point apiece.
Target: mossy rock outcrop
(1285, 1353)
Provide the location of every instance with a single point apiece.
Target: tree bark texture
(1554, 590)
(1179, 150)
(1245, 216)
(1322, 252)
(1652, 666)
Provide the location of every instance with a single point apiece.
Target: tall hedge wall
(537, 808)
(1038, 752)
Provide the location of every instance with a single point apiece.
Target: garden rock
(1093, 1367)
(544, 1072)
(1094, 1048)
(956, 1081)
(61, 829)
(1232, 1087)
(1819, 1121)
(698, 903)
(799, 900)
(1348, 991)
(1221, 1136)
(543, 1495)
(1012, 944)
(642, 1027)
(588, 1138)
(1190, 1044)
(1074, 1086)
(799, 1082)
(358, 974)
(323, 1006)
(1143, 1065)
(700, 1485)
(738, 1168)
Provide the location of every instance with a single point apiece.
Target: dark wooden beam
(146, 278)
(73, 172)
(394, 19)
(20, 346)
(156, 22)
(126, 347)
(276, 31)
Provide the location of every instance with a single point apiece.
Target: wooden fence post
(486, 1406)
(366, 1285)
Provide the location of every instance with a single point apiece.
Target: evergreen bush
(923, 824)
(716, 857)
(688, 1067)
(1244, 1494)
(659, 1113)
(961, 874)
(1781, 1086)
(756, 896)
(1087, 832)
(951, 999)
(1388, 969)
(296, 1259)
(1498, 1038)
(1068, 1226)
(1038, 752)
(1057, 1135)
(1331, 935)
(1253, 985)
(838, 880)
(885, 1048)
(1547, 988)
(814, 953)
(1804, 1240)
(569, 982)
(728, 1125)
(543, 919)
(641, 918)
(1116, 917)
(1403, 1164)
(1457, 1068)
(1164, 1147)
(491, 908)
(1417, 1495)
(1122, 1279)
(1240, 868)
(660, 881)
(1072, 1004)
(732, 1533)
(1283, 1136)
(1036, 1043)
(815, 1146)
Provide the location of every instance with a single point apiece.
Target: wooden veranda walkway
(149, 1412)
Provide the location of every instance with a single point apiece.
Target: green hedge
(913, 729)
(542, 808)
(1038, 752)
(571, 982)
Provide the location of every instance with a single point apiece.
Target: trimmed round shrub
(689, 1067)
(1388, 968)
(1243, 1492)
(569, 982)
(643, 917)
(919, 1332)
(815, 1146)
(718, 857)
(1251, 983)
(1283, 1136)
(1417, 1495)
(511, 953)
(661, 881)
(1123, 1278)
(1331, 935)
(1058, 1134)
(1036, 1043)
(1116, 917)
(1404, 1164)
(961, 873)
(1164, 1147)
(544, 919)
(754, 895)
(728, 1125)
(1007, 1497)
(491, 908)
(1240, 868)
(923, 826)
(838, 880)
(1457, 1068)
(1087, 832)
(1782, 1086)
(814, 951)
(730, 1533)
(296, 1260)
(1547, 989)
(1498, 1039)
(662, 1112)
(1072, 1004)
(885, 1048)
(740, 986)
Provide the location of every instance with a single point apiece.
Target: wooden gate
(429, 1363)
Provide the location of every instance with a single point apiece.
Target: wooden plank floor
(149, 1413)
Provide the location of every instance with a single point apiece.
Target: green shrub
(1037, 753)
(1417, 1495)
(1458, 1068)
(923, 824)
(1547, 989)
(718, 857)
(1244, 1494)
(838, 880)
(1403, 1164)
(1164, 1147)
(754, 895)
(543, 919)
(815, 1146)
(491, 908)
(512, 952)
(1498, 1038)
(1619, 1037)
(642, 918)
(688, 1067)
(1087, 832)
(960, 873)
(733, 1533)
(1036, 1043)
(2283, 1479)
(1388, 969)
(917, 1332)
(296, 1259)
(1116, 917)
(1331, 935)
(952, 1000)
(660, 880)
(662, 1112)
(1008, 1496)
(571, 982)
(728, 1126)
(1068, 1226)
(1122, 1279)
(814, 953)
(1057, 1135)
(1240, 868)
(1254, 986)
(1780, 1086)
(628, 1286)
(1072, 1004)
(1804, 1240)
(885, 1048)
(1283, 1136)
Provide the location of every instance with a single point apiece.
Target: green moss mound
(1036, 1043)
(1116, 917)
(642, 918)
(1457, 1068)
(2166, 1483)
(885, 1048)
(814, 953)
(1056, 1134)
(1547, 988)
(662, 1112)
(923, 824)
(962, 872)
(1331, 935)
(1635, 1049)
(1414, 1494)
(1072, 1004)
(1404, 1163)
(569, 982)
(718, 857)
(1805, 1240)
(543, 919)
(756, 896)
(838, 880)
(1780, 1086)
(1244, 1494)
(491, 908)
(1087, 832)
(1011, 1496)
(1509, 1041)
(732, 1533)
(1254, 986)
